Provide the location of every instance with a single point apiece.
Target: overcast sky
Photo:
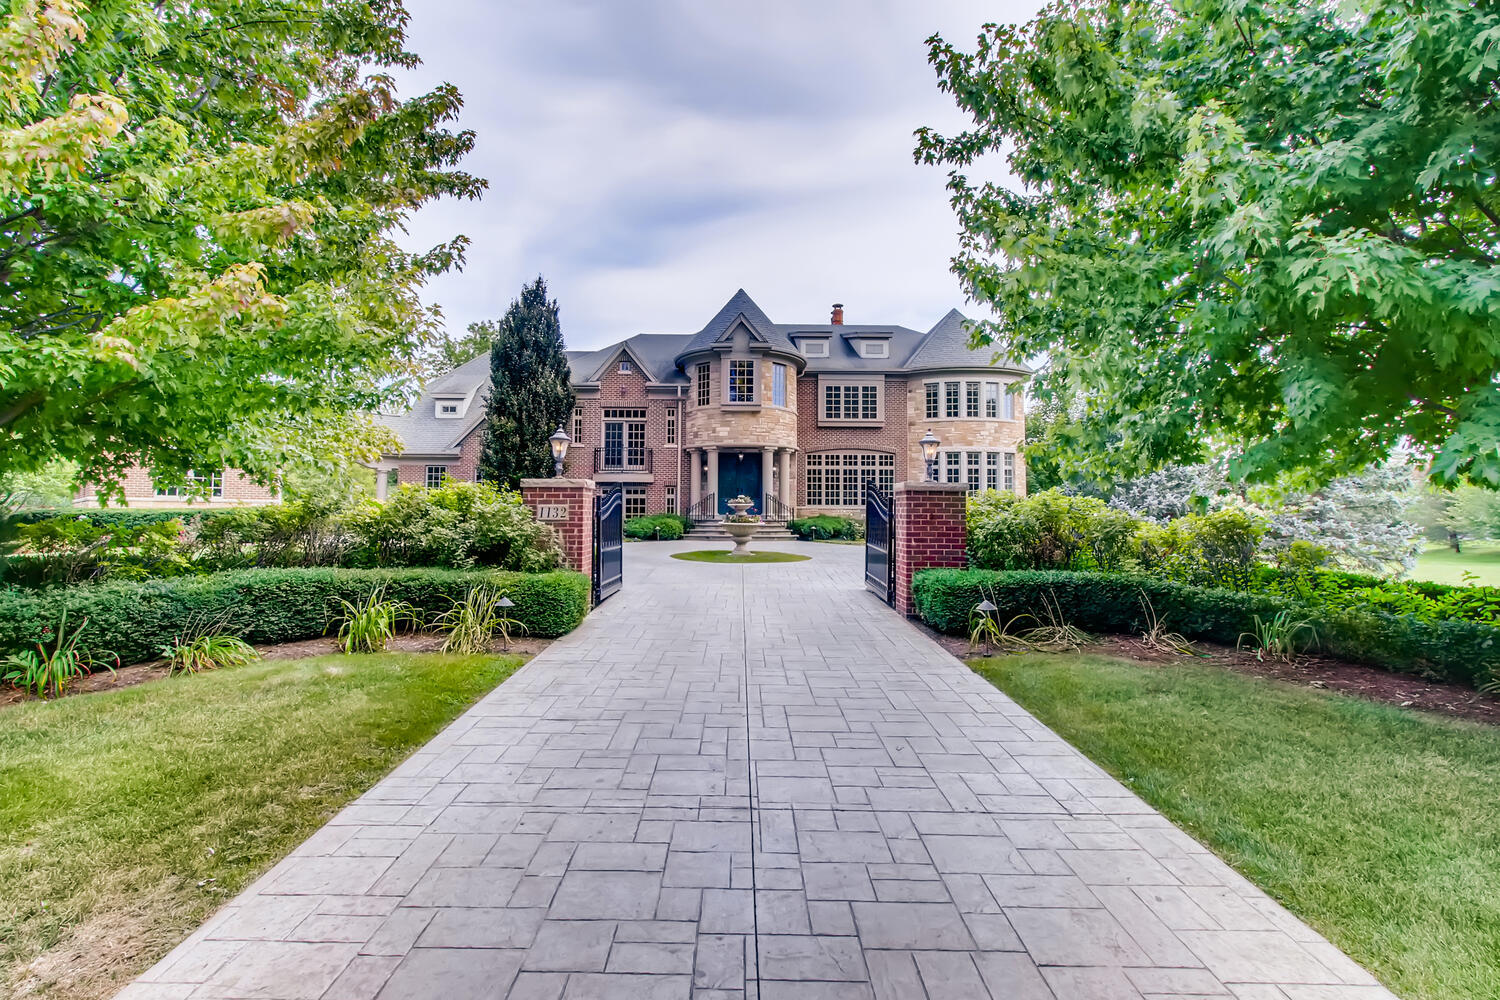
(650, 157)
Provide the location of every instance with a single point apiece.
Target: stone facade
(831, 406)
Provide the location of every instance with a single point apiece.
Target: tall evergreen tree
(531, 393)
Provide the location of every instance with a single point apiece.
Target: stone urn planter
(740, 525)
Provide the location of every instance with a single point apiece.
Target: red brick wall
(930, 533)
(462, 468)
(577, 531)
(140, 491)
(890, 436)
(669, 465)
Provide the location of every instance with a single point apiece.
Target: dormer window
(874, 349)
(815, 348)
(448, 408)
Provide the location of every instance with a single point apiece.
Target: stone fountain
(740, 525)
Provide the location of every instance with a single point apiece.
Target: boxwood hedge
(1460, 651)
(115, 517)
(135, 620)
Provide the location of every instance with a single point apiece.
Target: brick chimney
(838, 314)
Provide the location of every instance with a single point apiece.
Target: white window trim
(816, 347)
(626, 368)
(427, 476)
(824, 381)
(874, 349)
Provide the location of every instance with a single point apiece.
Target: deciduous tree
(196, 198)
(1266, 227)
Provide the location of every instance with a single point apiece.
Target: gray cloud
(651, 157)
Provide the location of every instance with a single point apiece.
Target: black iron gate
(609, 542)
(880, 549)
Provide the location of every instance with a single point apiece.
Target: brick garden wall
(930, 533)
(577, 530)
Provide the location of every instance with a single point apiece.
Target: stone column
(713, 478)
(788, 495)
(930, 531)
(382, 482)
(567, 506)
(767, 473)
(695, 477)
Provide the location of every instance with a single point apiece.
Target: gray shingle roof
(946, 345)
(740, 306)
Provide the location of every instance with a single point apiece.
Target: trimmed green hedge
(1465, 652)
(821, 527)
(115, 517)
(660, 527)
(134, 620)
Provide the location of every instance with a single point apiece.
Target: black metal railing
(621, 463)
(773, 509)
(706, 509)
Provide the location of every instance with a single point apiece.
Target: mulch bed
(140, 673)
(1322, 672)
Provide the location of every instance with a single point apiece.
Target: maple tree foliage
(1262, 228)
(196, 202)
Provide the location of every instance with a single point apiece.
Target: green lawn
(728, 556)
(127, 817)
(1374, 824)
(1441, 564)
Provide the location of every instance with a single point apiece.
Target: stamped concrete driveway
(751, 782)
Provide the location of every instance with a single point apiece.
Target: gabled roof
(655, 353)
(740, 308)
(946, 345)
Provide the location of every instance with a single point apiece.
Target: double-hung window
(953, 469)
(669, 499)
(198, 484)
(1009, 411)
(932, 400)
(991, 470)
(671, 431)
(971, 470)
(742, 381)
(435, 476)
(577, 425)
(950, 399)
(778, 385)
(851, 402)
(624, 439)
(705, 391)
(1010, 472)
(635, 501)
(992, 399)
(971, 399)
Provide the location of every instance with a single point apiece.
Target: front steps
(713, 531)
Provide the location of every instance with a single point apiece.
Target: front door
(739, 473)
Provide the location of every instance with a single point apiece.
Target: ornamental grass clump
(472, 623)
(44, 671)
(370, 625)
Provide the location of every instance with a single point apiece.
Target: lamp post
(559, 442)
(930, 445)
(989, 626)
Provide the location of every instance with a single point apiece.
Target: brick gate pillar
(930, 532)
(567, 505)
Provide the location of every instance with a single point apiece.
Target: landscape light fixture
(930, 445)
(559, 442)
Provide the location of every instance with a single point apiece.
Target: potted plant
(741, 525)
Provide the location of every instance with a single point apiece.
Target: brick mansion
(795, 415)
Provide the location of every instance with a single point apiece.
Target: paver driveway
(741, 782)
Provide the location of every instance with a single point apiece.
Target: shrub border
(1452, 650)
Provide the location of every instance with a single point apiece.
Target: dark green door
(739, 473)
